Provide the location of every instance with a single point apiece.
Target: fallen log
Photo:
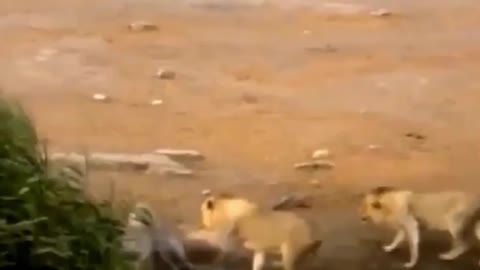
(149, 163)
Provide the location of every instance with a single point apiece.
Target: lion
(216, 211)
(404, 211)
(263, 231)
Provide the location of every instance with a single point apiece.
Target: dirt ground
(259, 87)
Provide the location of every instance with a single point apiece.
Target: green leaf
(23, 190)
(50, 250)
(33, 179)
(44, 211)
(26, 224)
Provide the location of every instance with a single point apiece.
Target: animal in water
(405, 211)
(261, 230)
(154, 241)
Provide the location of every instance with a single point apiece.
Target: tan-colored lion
(404, 210)
(263, 231)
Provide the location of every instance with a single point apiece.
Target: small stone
(44, 54)
(180, 154)
(415, 135)
(321, 153)
(249, 98)
(315, 182)
(307, 32)
(142, 26)
(206, 192)
(156, 102)
(166, 74)
(314, 165)
(381, 12)
(100, 97)
(373, 146)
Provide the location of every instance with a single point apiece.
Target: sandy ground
(258, 89)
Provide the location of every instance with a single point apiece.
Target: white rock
(166, 74)
(315, 182)
(44, 54)
(156, 102)
(314, 165)
(320, 153)
(142, 26)
(100, 97)
(180, 154)
(373, 146)
(381, 12)
(206, 192)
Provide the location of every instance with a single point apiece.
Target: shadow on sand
(371, 256)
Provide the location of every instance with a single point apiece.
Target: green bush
(46, 219)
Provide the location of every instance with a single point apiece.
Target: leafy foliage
(46, 219)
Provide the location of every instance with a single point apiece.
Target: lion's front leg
(397, 240)
(413, 237)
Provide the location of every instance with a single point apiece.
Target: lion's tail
(308, 250)
(467, 233)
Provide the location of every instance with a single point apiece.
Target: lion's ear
(376, 205)
(210, 204)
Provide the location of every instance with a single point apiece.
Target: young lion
(261, 230)
(217, 211)
(404, 210)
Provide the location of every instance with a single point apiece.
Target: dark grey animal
(154, 242)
